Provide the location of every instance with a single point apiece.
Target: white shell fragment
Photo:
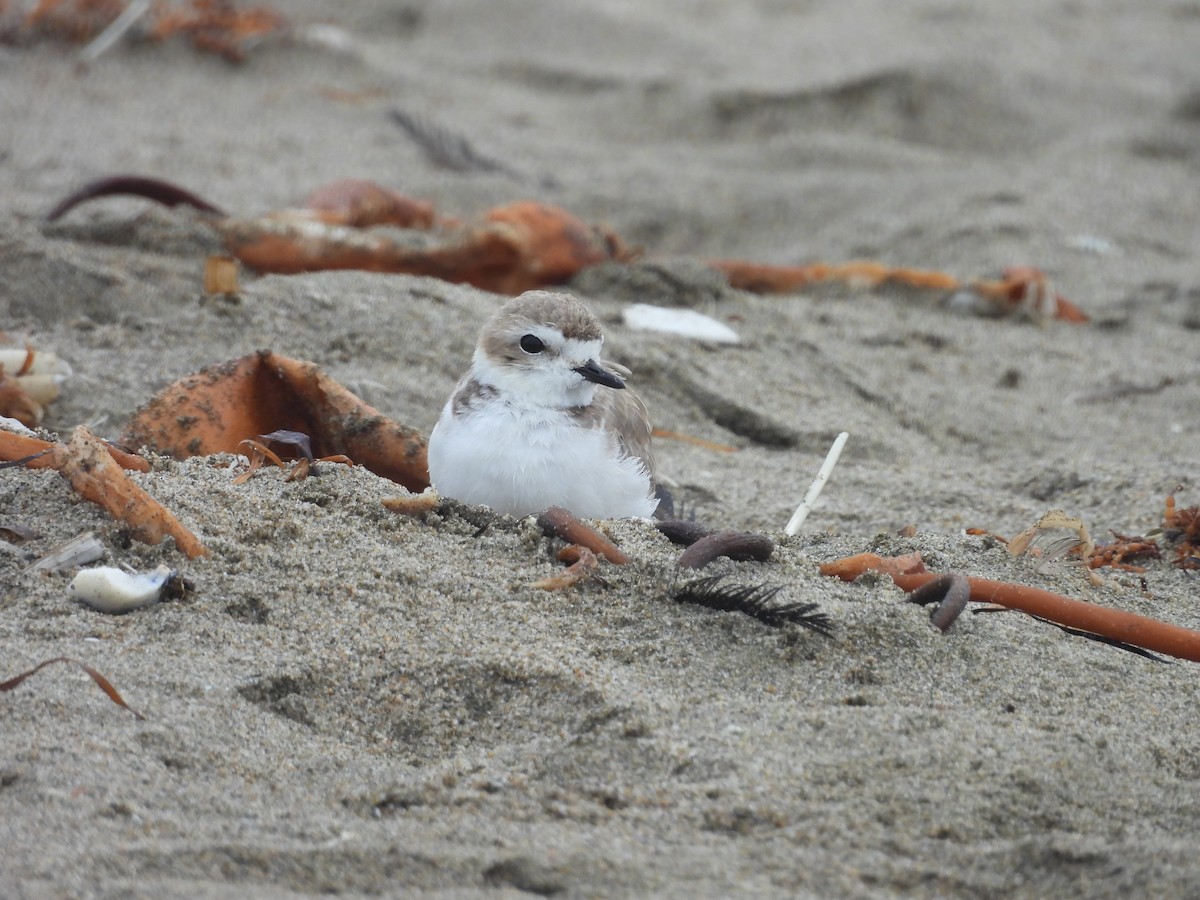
(116, 591)
(46, 372)
(14, 426)
(683, 322)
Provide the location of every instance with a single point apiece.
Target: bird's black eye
(531, 343)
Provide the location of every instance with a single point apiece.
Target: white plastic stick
(114, 32)
(814, 490)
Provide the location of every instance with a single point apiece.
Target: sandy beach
(361, 703)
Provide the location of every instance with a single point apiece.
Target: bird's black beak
(592, 371)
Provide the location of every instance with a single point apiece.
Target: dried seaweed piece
(555, 520)
(1126, 627)
(1182, 528)
(162, 192)
(413, 504)
(20, 449)
(753, 601)
(950, 592)
(739, 545)
(582, 562)
(102, 682)
(361, 204)
(85, 462)
(1020, 288)
(683, 531)
(214, 410)
(218, 26)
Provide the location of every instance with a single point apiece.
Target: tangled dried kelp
(525, 245)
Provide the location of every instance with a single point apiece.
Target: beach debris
(115, 591)
(524, 245)
(86, 463)
(96, 471)
(509, 250)
(737, 545)
(718, 593)
(17, 449)
(221, 275)
(304, 465)
(414, 504)
(447, 149)
(211, 26)
(16, 533)
(1182, 528)
(683, 531)
(681, 322)
(161, 192)
(1082, 547)
(581, 563)
(29, 381)
(358, 203)
(716, 447)
(796, 522)
(950, 592)
(78, 551)
(101, 682)
(560, 522)
(1019, 290)
(110, 36)
(1123, 548)
(216, 409)
(16, 427)
(909, 573)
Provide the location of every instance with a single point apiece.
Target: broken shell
(116, 591)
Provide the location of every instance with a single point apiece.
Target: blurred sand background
(365, 704)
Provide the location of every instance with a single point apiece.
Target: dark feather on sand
(754, 601)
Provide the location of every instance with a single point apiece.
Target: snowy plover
(540, 420)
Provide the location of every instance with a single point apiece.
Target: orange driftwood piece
(1150, 634)
(214, 410)
(1020, 287)
(96, 471)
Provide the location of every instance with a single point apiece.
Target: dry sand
(365, 704)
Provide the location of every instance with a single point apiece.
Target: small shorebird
(541, 420)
